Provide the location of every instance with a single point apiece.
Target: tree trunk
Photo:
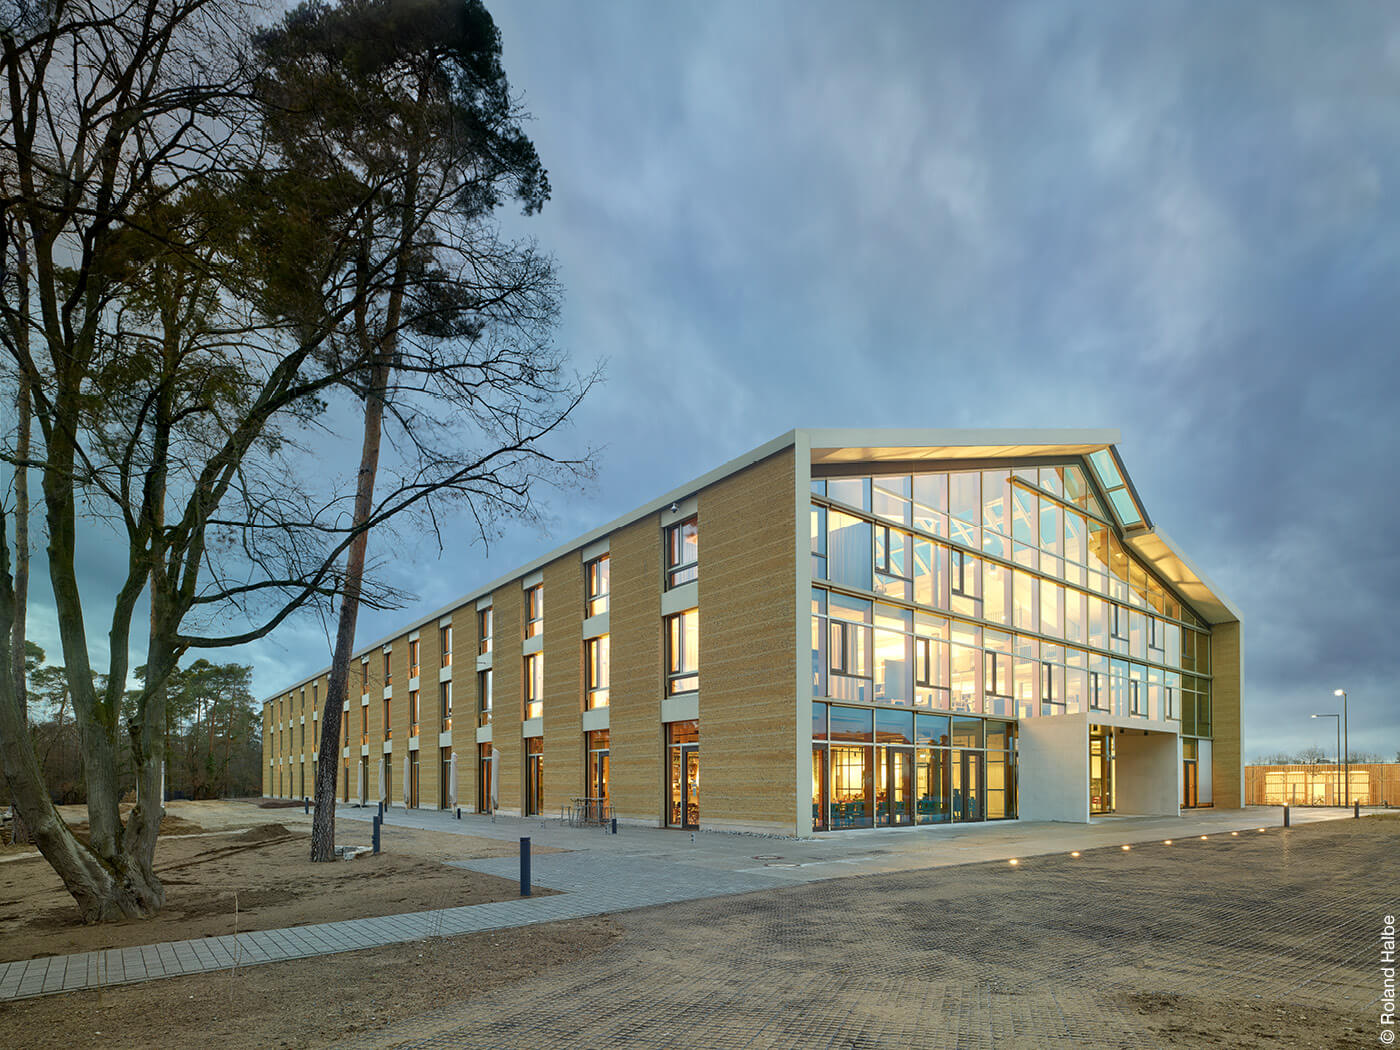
(328, 762)
(104, 886)
(18, 831)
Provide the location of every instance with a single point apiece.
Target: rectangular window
(596, 658)
(596, 583)
(682, 553)
(445, 704)
(483, 631)
(414, 711)
(413, 658)
(848, 545)
(388, 724)
(483, 697)
(315, 696)
(445, 644)
(534, 685)
(683, 652)
(534, 610)
(364, 724)
(364, 677)
(388, 671)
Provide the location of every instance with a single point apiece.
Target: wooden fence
(1371, 784)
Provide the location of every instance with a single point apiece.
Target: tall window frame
(597, 585)
(532, 686)
(682, 634)
(682, 548)
(534, 610)
(484, 623)
(597, 674)
(414, 651)
(445, 704)
(445, 645)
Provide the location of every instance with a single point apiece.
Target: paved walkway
(603, 874)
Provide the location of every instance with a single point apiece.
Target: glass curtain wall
(1003, 594)
(881, 768)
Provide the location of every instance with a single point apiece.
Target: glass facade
(874, 767)
(1002, 594)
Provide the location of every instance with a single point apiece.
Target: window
(534, 610)
(445, 644)
(1118, 622)
(534, 685)
(364, 677)
(445, 704)
(682, 553)
(483, 631)
(596, 582)
(388, 672)
(364, 724)
(1097, 700)
(414, 711)
(596, 659)
(483, 697)
(413, 658)
(923, 662)
(388, 730)
(315, 696)
(683, 652)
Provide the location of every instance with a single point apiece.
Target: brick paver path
(594, 884)
(1101, 950)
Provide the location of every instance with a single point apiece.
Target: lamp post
(1346, 743)
(1338, 717)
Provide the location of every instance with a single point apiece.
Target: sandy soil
(281, 1005)
(265, 866)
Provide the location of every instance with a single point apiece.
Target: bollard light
(1013, 862)
(1168, 842)
(1126, 848)
(1075, 853)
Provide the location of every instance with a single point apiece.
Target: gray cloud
(1178, 220)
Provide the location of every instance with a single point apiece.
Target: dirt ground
(264, 864)
(307, 1003)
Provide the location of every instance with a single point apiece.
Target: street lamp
(1346, 741)
(1339, 745)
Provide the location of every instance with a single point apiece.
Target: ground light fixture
(1075, 853)
(1167, 842)
(1234, 833)
(1126, 848)
(1204, 837)
(1013, 862)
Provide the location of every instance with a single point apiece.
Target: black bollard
(614, 825)
(459, 812)
(381, 809)
(1285, 815)
(525, 866)
(305, 804)
(376, 834)
(1356, 809)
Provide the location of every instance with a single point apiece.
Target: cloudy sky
(1177, 220)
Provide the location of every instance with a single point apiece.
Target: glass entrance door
(1100, 769)
(894, 794)
(967, 785)
(1189, 786)
(685, 786)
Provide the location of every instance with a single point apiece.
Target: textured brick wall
(748, 648)
(634, 717)
(508, 603)
(563, 681)
(1227, 750)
